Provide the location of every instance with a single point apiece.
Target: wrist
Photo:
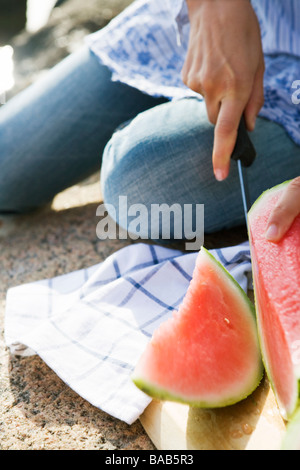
(194, 6)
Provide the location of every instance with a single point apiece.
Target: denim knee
(163, 156)
(149, 162)
(121, 172)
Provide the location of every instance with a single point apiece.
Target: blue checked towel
(91, 326)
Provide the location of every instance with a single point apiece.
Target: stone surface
(12, 18)
(64, 33)
(37, 409)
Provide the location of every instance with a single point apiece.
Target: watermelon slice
(207, 354)
(276, 275)
(291, 440)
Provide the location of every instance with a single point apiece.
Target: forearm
(225, 64)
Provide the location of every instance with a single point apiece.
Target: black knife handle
(244, 149)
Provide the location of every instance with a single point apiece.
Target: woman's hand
(285, 211)
(225, 64)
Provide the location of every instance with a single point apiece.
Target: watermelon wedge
(291, 440)
(276, 275)
(207, 354)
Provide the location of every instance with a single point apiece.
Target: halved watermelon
(291, 440)
(207, 354)
(276, 274)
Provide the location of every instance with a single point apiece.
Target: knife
(244, 154)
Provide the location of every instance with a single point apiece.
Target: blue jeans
(52, 135)
(55, 133)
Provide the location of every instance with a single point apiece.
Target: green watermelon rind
(291, 438)
(287, 415)
(239, 289)
(156, 392)
(161, 394)
(276, 188)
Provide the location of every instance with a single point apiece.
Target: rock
(12, 18)
(69, 23)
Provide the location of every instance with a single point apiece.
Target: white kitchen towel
(90, 326)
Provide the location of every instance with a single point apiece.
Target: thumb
(285, 212)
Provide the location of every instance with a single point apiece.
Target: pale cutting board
(253, 424)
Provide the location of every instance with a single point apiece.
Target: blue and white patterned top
(145, 47)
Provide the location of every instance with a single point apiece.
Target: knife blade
(244, 154)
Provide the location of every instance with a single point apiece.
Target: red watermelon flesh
(207, 354)
(276, 275)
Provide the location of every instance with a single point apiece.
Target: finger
(256, 99)
(185, 69)
(212, 108)
(285, 212)
(226, 129)
(190, 73)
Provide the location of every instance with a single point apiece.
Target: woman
(116, 98)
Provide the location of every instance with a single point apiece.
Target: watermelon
(276, 276)
(291, 440)
(207, 354)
